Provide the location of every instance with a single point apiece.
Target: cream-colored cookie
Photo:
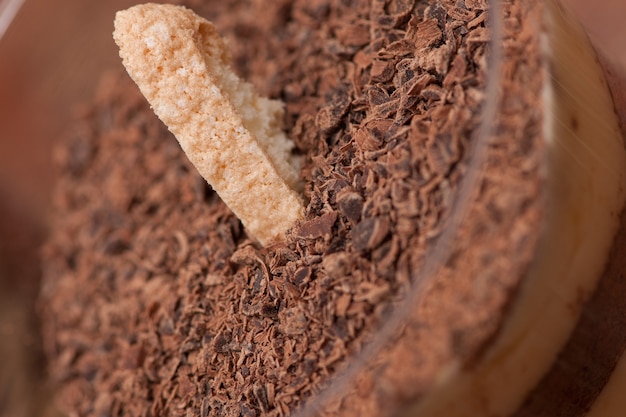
(231, 134)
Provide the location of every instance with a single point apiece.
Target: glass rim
(8, 11)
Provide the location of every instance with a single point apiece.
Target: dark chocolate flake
(302, 276)
(318, 227)
(382, 71)
(329, 117)
(369, 233)
(350, 205)
(205, 407)
(260, 394)
(366, 140)
(427, 34)
(221, 343)
(270, 310)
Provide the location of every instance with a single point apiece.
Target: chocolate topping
(155, 301)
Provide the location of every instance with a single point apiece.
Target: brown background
(50, 59)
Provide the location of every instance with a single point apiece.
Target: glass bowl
(53, 60)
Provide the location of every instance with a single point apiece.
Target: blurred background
(51, 58)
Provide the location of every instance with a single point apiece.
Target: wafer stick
(231, 134)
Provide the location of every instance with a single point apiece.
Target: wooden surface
(605, 21)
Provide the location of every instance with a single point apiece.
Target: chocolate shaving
(155, 302)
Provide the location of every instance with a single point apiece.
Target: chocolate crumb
(155, 302)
